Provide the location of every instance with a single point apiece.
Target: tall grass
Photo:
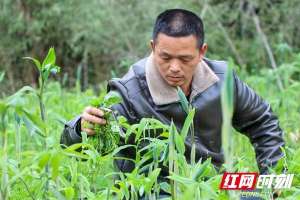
(227, 133)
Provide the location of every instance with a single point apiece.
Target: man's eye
(185, 60)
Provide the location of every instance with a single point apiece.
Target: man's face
(177, 58)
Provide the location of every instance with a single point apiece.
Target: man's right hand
(93, 116)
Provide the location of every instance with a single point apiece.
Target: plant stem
(27, 188)
(42, 106)
(4, 184)
(43, 117)
(171, 158)
(193, 150)
(227, 133)
(18, 143)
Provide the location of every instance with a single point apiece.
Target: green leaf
(50, 58)
(227, 111)
(38, 123)
(141, 127)
(17, 98)
(76, 146)
(181, 179)
(69, 193)
(183, 101)
(141, 190)
(187, 123)
(45, 75)
(55, 163)
(227, 92)
(35, 61)
(171, 147)
(2, 74)
(3, 106)
(43, 159)
(165, 187)
(153, 178)
(95, 102)
(200, 169)
(31, 127)
(179, 142)
(208, 190)
(112, 98)
(77, 155)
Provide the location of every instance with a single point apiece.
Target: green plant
(106, 136)
(227, 112)
(45, 68)
(48, 66)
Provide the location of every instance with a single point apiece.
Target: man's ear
(152, 45)
(203, 49)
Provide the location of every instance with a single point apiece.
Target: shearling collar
(162, 93)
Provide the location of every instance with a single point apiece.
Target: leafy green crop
(106, 136)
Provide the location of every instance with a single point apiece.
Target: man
(177, 59)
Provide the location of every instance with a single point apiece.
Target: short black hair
(179, 23)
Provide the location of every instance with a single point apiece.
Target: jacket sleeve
(71, 133)
(254, 117)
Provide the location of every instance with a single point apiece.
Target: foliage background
(101, 38)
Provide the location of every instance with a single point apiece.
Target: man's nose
(174, 67)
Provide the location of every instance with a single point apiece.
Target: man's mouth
(174, 78)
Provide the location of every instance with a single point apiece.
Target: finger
(88, 131)
(94, 111)
(86, 124)
(93, 119)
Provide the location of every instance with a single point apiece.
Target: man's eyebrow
(162, 53)
(185, 56)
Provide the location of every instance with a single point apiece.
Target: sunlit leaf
(35, 61)
(112, 98)
(187, 123)
(43, 159)
(183, 100)
(69, 193)
(50, 58)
